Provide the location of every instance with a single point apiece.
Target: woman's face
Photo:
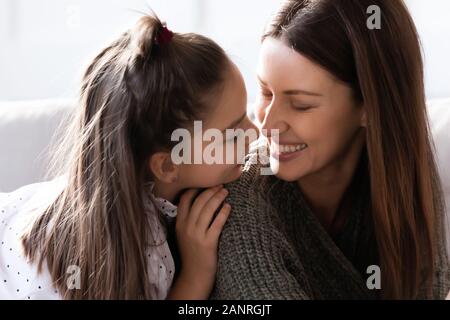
(318, 119)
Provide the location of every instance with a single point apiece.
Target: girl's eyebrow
(236, 122)
(261, 81)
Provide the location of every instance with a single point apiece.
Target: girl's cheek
(259, 110)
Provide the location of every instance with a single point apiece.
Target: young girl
(101, 229)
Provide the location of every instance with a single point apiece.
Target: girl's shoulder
(35, 194)
(18, 278)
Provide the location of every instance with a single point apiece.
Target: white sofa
(439, 116)
(26, 129)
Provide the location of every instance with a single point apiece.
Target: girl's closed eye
(234, 138)
(266, 94)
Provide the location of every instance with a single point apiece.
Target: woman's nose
(272, 120)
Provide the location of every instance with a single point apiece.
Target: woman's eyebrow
(236, 122)
(304, 92)
(293, 92)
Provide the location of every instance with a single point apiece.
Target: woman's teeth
(284, 148)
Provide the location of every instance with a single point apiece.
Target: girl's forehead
(231, 102)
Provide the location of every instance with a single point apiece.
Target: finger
(184, 206)
(218, 223)
(207, 213)
(200, 202)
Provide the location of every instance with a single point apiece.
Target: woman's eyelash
(302, 107)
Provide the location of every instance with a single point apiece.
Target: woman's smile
(286, 152)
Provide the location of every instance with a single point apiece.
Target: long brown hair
(385, 70)
(134, 94)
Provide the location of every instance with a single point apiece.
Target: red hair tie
(164, 36)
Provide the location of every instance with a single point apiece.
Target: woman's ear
(363, 117)
(163, 168)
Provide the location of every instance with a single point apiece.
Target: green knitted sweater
(273, 246)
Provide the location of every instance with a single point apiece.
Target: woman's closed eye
(302, 105)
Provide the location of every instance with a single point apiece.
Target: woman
(355, 210)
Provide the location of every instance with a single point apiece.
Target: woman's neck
(325, 190)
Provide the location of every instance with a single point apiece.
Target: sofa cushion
(439, 116)
(26, 130)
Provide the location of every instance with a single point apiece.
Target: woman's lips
(286, 152)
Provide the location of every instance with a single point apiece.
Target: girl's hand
(198, 237)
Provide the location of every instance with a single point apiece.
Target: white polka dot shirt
(19, 279)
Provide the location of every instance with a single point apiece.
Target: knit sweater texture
(274, 247)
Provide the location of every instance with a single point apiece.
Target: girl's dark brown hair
(385, 70)
(134, 94)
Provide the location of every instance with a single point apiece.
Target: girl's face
(229, 112)
(318, 119)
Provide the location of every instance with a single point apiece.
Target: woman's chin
(286, 177)
(287, 174)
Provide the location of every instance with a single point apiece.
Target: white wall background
(45, 44)
(432, 18)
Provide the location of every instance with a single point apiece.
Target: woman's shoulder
(251, 190)
(256, 173)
